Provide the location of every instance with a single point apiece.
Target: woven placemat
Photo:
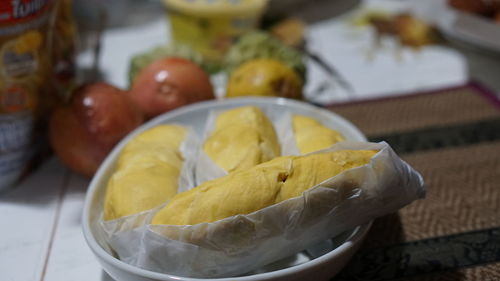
(452, 137)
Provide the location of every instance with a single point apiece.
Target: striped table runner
(452, 137)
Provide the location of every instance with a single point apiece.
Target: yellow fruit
(243, 137)
(162, 142)
(147, 172)
(140, 187)
(265, 77)
(250, 190)
(310, 135)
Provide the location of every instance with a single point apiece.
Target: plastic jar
(211, 26)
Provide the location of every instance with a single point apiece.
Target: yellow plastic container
(211, 26)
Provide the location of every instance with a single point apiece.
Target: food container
(320, 262)
(211, 26)
(35, 63)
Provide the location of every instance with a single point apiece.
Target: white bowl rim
(356, 236)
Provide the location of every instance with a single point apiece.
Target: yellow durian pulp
(311, 135)
(147, 172)
(161, 141)
(249, 190)
(243, 137)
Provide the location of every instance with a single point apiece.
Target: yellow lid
(210, 8)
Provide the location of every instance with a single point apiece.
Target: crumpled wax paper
(286, 134)
(242, 243)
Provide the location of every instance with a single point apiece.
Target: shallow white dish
(320, 262)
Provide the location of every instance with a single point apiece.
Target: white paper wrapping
(242, 243)
(189, 150)
(286, 134)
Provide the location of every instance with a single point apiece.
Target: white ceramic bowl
(320, 262)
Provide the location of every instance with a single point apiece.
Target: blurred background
(322, 52)
(332, 29)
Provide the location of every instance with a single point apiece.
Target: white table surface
(41, 237)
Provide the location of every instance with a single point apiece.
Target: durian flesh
(311, 135)
(249, 190)
(243, 137)
(147, 172)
